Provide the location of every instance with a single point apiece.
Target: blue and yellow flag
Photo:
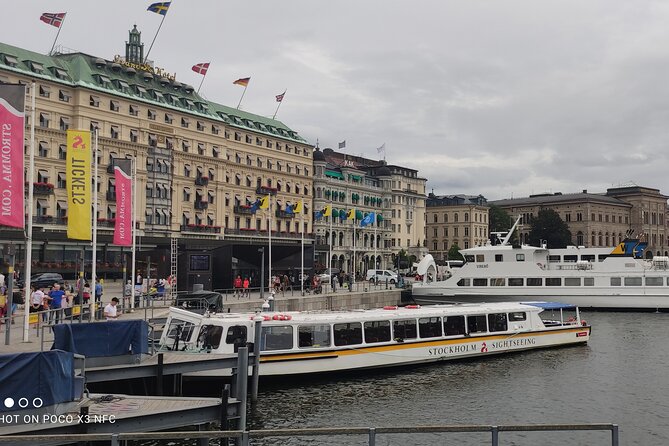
(327, 211)
(298, 207)
(350, 215)
(159, 8)
(264, 202)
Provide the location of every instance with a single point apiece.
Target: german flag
(244, 81)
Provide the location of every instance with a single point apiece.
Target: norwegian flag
(201, 68)
(53, 18)
(279, 97)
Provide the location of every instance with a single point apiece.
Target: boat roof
(552, 305)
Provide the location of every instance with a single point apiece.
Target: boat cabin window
(454, 325)
(518, 316)
(469, 258)
(179, 331)
(616, 281)
(497, 322)
(476, 324)
(480, 258)
(377, 331)
(405, 329)
(553, 259)
(632, 281)
(553, 281)
(570, 258)
(497, 281)
(520, 257)
(534, 281)
(276, 338)
(588, 257)
(313, 336)
(480, 282)
(236, 336)
(515, 281)
(499, 258)
(588, 281)
(348, 334)
(572, 281)
(463, 282)
(602, 257)
(654, 281)
(429, 327)
(209, 337)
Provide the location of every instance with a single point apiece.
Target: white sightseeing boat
(604, 278)
(294, 343)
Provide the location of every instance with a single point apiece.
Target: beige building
(597, 220)
(450, 220)
(200, 165)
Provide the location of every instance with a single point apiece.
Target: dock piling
(242, 384)
(159, 375)
(256, 359)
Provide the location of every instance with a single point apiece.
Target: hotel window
(168, 118)
(61, 209)
(200, 148)
(238, 136)
(187, 170)
(169, 143)
(95, 101)
(149, 191)
(211, 197)
(216, 152)
(185, 123)
(249, 140)
(149, 217)
(62, 152)
(44, 91)
(186, 194)
(133, 110)
(215, 130)
(151, 114)
(44, 120)
(114, 132)
(11, 60)
(134, 135)
(185, 145)
(153, 140)
(43, 149)
(64, 123)
(269, 144)
(94, 126)
(64, 96)
(200, 126)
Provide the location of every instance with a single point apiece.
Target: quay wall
(332, 301)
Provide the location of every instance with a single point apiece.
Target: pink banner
(123, 224)
(12, 99)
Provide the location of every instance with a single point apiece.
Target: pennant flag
(327, 211)
(123, 222)
(264, 202)
(159, 8)
(79, 184)
(53, 18)
(350, 215)
(279, 97)
(12, 123)
(381, 149)
(298, 207)
(342, 144)
(368, 220)
(201, 68)
(244, 81)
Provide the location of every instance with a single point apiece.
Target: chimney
(585, 191)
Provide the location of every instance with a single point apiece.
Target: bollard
(372, 436)
(495, 435)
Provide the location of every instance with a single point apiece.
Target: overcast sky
(500, 98)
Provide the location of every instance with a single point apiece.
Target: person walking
(334, 282)
(245, 284)
(110, 309)
(56, 303)
(98, 291)
(237, 284)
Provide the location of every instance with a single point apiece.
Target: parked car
(381, 275)
(327, 274)
(42, 280)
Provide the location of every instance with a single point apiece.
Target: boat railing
(573, 266)
(371, 433)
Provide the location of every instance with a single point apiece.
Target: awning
(332, 174)
(43, 204)
(111, 207)
(187, 214)
(62, 204)
(112, 181)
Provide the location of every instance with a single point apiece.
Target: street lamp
(262, 271)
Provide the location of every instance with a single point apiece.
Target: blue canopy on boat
(551, 305)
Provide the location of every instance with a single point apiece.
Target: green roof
(83, 70)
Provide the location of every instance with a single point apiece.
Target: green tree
(454, 253)
(498, 219)
(549, 227)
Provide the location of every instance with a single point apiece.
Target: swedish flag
(159, 8)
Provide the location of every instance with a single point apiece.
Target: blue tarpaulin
(551, 305)
(98, 339)
(46, 375)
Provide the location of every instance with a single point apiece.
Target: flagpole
(154, 40)
(269, 235)
(57, 34)
(95, 219)
(277, 107)
(202, 81)
(134, 230)
(375, 241)
(243, 93)
(302, 259)
(330, 241)
(354, 265)
(29, 234)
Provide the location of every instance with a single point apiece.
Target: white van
(381, 275)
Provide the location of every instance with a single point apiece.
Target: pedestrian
(46, 305)
(350, 282)
(333, 283)
(36, 297)
(237, 284)
(277, 284)
(56, 303)
(246, 283)
(110, 309)
(87, 292)
(340, 276)
(127, 292)
(98, 291)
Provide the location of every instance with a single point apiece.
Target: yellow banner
(76, 310)
(79, 184)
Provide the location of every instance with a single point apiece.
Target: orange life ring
(412, 307)
(390, 307)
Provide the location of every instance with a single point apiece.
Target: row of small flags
(350, 215)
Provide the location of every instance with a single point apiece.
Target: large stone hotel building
(199, 164)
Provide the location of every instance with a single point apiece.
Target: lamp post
(262, 271)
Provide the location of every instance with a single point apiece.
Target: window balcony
(207, 229)
(283, 214)
(42, 188)
(266, 190)
(243, 209)
(201, 181)
(201, 204)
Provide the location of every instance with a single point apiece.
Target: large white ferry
(294, 343)
(603, 278)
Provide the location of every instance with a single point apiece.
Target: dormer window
(36, 67)
(141, 91)
(60, 73)
(189, 104)
(123, 85)
(159, 96)
(11, 60)
(104, 80)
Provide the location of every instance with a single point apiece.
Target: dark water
(621, 377)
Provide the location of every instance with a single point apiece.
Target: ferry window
(520, 257)
(276, 338)
(236, 335)
(499, 258)
(654, 281)
(497, 281)
(463, 282)
(377, 331)
(515, 281)
(480, 282)
(632, 281)
(518, 316)
(405, 329)
(348, 334)
(313, 335)
(570, 258)
(210, 337)
(588, 257)
(180, 331)
(479, 258)
(476, 324)
(602, 257)
(454, 325)
(553, 259)
(534, 281)
(429, 327)
(615, 281)
(497, 322)
(469, 259)
(572, 281)
(553, 281)
(588, 281)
